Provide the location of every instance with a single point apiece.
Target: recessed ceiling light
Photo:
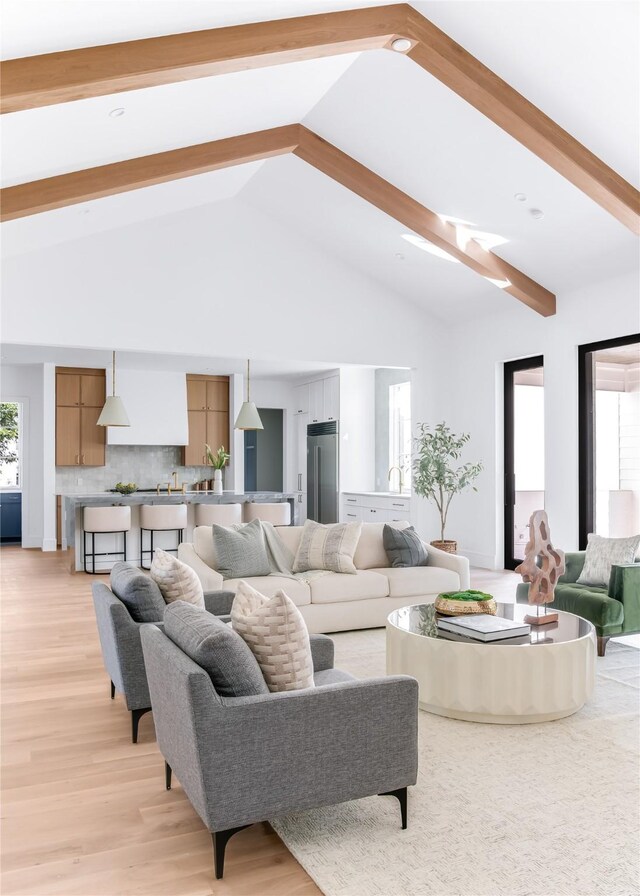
(536, 213)
(520, 197)
(426, 246)
(501, 284)
(401, 45)
(116, 113)
(400, 256)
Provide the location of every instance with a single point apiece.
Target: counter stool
(104, 520)
(278, 514)
(220, 514)
(161, 518)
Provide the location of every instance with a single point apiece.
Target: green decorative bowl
(465, 603)
(126, 488)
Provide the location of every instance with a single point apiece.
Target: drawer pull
(351, 514)
(401, 506)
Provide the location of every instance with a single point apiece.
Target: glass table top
(418, 620)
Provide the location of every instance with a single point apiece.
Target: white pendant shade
(113, 413)
(249, 418)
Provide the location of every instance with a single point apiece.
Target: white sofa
(336, 602)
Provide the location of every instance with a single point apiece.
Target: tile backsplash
(146, 465)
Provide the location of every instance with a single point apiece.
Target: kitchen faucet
(400, 478)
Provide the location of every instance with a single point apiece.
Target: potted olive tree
(436, 475)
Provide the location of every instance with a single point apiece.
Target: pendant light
(248, 418)
(113, 412)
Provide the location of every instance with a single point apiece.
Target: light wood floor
(85, 812)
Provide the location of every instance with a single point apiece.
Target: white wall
(478, 350)
(220, 280)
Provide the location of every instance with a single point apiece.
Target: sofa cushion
(203, 545)
(370, 553)
(331, 676)
(403, 547)
(176, 580)
(277, 634)
(215, 647)
(327, 547)
(337, 587)
(416, 581)
(295, 589)
(140, 594)
(240, 552)
(593, 604)
(290, 536)
(601, 554)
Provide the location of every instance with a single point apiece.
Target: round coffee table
(546, 675)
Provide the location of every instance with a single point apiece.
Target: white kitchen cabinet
(316, 402)
(301, 452)
(331, 398)
(372, 507)
(302, 399)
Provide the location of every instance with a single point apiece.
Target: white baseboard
(482, 561)
(31, 541)
(49, 544)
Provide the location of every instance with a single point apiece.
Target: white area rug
(523, 810)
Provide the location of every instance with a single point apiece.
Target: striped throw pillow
(327, 547)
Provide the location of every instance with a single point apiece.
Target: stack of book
(484, 627)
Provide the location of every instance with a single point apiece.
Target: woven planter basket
(449, 546)
(448, 607)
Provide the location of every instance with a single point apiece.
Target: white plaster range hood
(156, 402)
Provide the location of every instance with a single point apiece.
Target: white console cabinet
(375, 507)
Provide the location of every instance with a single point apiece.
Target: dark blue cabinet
(10, 517)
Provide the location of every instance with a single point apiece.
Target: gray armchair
(246, 759)
(132, 600)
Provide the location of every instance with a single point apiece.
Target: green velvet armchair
(613, 611)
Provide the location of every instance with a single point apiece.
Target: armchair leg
(113, 690)
(136, 715)
(602, 644)
(401, 796)
(220, 840)
(167, 775)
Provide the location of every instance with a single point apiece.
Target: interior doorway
(264, 453)
(609, 438)
(523, 453)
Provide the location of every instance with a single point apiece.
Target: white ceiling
(577, 60)
(216, 366)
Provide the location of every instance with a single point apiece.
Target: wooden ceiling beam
(62, 77)
(457, 69)
(69, 75)
(45, 195)
(403, 208)
(119, 177)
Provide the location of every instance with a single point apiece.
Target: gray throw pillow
(602, 553)
(240, 553)
(140, 594)
(216, 648)
(403, 547)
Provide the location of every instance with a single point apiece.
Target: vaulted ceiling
(577, 61)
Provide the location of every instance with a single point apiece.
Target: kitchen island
(72, 506)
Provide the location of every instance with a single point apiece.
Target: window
(10, 468)
(400, 432)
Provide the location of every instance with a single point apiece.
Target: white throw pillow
(277, 634)
(327, 547)
(176, 580)
(603, 553)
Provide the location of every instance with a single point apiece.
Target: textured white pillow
(277, 634)
(176, 580)
(602, 553)
(327, 547)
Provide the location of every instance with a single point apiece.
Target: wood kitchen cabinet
(80, 397)
(208, 412)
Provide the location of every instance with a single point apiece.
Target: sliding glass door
(609, 438)
(523, 453)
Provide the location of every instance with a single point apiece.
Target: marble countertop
(194, 497)
(378, 494)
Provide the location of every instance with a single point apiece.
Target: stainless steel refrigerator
(322, 472)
